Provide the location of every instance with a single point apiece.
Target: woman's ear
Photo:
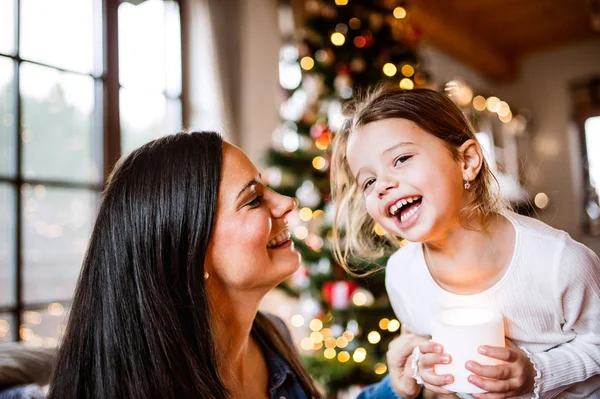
(472, 159)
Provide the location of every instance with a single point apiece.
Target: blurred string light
(407, 84)
(393, 325)
(389, 69)
(297, 320)
(338, 39)
(354, 23)
(399, 12)
(407, 70)
(383, 323)
(380, 368)
(307, 63)
(343, 357)
(341, 2)
(374, 337)
(359, 355)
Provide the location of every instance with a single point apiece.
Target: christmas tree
(341, 47)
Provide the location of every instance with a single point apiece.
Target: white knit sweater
(549, 296)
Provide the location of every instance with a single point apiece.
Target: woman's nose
(281, 205)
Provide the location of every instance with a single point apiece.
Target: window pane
(44, 327)
(7, 119)
(145, 117)
(59, 33)
(150, 46)
(7, 244)
(57, 125)
(7, 26)
(6, 327)
(57, 225)
(592, 142)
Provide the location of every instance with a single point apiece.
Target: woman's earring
(206, 275)
(467, 185)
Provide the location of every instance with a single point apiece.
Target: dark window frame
(105, 134)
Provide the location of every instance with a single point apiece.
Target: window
(586, 101)
(74, 96)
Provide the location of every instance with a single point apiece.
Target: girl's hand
(513, 378)
(432, 354)
(399, 360)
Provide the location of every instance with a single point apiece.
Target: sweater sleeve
(578, 290)
(381, 390)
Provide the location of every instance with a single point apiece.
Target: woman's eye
(402, 159)
(255, 202)
(367, 183)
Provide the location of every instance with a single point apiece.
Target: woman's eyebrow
(251, 183)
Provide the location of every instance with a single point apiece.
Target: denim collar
(279, 369)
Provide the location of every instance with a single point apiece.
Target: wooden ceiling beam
(457, 38)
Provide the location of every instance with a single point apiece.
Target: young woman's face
(250, 246)
(411, 184)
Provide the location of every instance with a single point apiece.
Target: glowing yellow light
(341, 2)
(319, 163)
(297, 320)
(316, 337)
(322, 144)
(56, 309)
(354, 23)
(348, 335)
(393, 325)
(420, 78)
(343, 356)
(26, 334)
(306, 344)
(359, 299)
(407, 84)
(506, 118)
(330, 342)
(316, 325)
(359, 355)
(389, 69)
(503, 109)
(32, 317)
(383, 323)
(329, 353)
(380, 368)
(307, 63)
(408, 70)
(374, 337)
(338, 39)
(493, 103)
(379, 230)
(399, 12)
(305, 214)
(341, 342)
(301, 232)
(317, 346)
(541, 200)
(479, 103)
(318, 213)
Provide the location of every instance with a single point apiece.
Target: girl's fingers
(496, 372)
(430, 347)
(506, 354)
(428, 360)
(492, 386)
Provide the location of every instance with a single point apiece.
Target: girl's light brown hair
(436, 114)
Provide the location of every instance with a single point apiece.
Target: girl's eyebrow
(394, 147)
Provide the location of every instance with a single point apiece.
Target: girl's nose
(383, 185)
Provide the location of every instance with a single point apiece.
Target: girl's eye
(255, 202)
(402, 159)
(368, 183)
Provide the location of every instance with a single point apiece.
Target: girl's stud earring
(467, 185)
(206, 275)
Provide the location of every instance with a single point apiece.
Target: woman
(187, 242)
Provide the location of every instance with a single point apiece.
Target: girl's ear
(472, 159)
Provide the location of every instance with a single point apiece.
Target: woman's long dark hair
(139, 322)
(139, 325)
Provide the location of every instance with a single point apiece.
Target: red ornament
(337, 294)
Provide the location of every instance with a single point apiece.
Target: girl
(409, 161)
